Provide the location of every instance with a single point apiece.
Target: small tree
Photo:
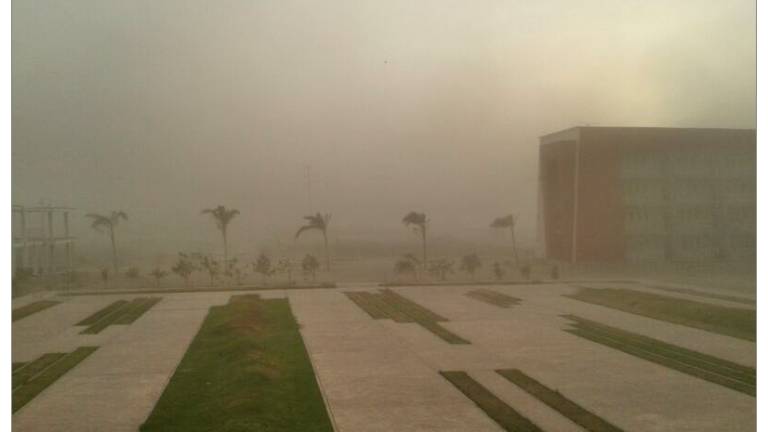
(263, 266)
(233, 270)
(525, 271)
(132, 273)
(212, 267)
(405, 266)
(105, 276)
(440, 268)
(554, 273)
(470, 263)
(158, 274)
(284, 266)
(20, 276)
(498, 271)
(309, 266)
(184, 268)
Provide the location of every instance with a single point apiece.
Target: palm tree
(318, 222)
(470, 263)
(223, 216)
(100, 222)
(419, 222)
(507, 221)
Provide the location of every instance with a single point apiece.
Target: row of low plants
(230, 272)
(409, 267)
(223, 217)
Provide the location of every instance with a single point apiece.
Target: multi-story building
(624, 194)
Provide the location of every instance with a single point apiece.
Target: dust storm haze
(165, 108)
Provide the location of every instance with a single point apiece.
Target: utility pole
(308, 174)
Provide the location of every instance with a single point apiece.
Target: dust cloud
(362, 109)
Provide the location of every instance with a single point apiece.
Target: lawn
(247, 369)
(32, 378)
(506, 416)
(494, 298)
(119, 312)
(736, 322)
(693, 292)
(31, 308)
(558, 402)
(716, 370)
(387, 304)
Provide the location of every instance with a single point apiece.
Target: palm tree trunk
(114, 248)
(514, 245)
(226, 252)
(327, 255)
(424, 246)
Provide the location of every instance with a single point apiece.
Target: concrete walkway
(378, 375)
(116, 387)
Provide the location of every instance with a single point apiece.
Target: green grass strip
(493, 297)
(695, 358)
(246, 369)
(124, 314)
(17, 365)
(364, 302)
(413, 309)
(736, 322)
(142, 306)
(26, 392)
(401, 311)
(698, 293)
(558, 402)
(725, 370)
(377, 307)
(687, 368)
(101, 313)
(107, 320)
(21, 376)
(503, 414)
(27, 310)
(389, 305)
(443, 333)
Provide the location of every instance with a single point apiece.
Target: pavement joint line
(319, 382)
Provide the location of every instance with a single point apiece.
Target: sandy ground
(377, 375)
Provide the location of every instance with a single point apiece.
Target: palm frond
(306, 228)
(504, 221)
(222, 215)
(99, 221)
(414, 218)
(316, 221)
(116, 216)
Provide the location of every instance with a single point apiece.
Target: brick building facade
(612, 194)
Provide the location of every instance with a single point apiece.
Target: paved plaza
(382, 375)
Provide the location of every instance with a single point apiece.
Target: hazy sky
(163, 108)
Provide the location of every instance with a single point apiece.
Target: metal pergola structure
(36, 238)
